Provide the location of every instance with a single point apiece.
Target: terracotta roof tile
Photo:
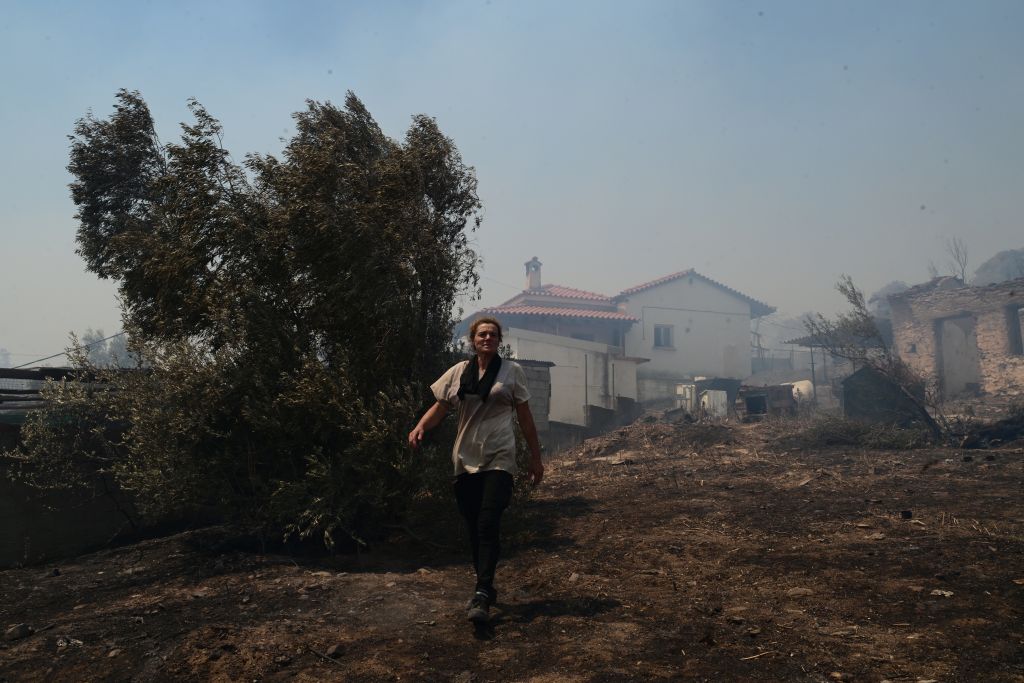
(561, 312)
(567, 292)
(659, 281)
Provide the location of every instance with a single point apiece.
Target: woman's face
(486, 338)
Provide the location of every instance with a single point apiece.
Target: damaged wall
(963, 339)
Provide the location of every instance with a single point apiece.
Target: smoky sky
(771, 146)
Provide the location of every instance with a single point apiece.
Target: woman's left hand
(535, 470)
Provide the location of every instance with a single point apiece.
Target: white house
(639, 345)
(689, 326)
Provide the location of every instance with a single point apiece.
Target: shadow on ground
(540, 525)
(527, 612)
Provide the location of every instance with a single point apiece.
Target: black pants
(482, 497)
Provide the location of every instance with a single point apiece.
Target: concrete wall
(655, 388)
(794, 359)
(711, 334)
(624, 379)
(36, 527)
(602, 331)
(583, 373)
(562, 436)
(932, 334)
(538, 382)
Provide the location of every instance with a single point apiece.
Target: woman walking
(487, 392)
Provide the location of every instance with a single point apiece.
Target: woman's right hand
(416, 437)
(430, 419)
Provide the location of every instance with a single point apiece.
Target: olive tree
(287, 311)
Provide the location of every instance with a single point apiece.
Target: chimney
(533, 273)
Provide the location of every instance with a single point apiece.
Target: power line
(794, 349)
(64, 353)
(505, 284)
(785, 327)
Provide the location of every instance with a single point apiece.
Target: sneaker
(478, 608)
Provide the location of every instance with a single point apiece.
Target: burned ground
(658, 552)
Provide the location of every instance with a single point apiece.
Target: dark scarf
(472, 383)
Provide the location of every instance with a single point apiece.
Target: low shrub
(834, 430)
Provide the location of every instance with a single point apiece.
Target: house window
(1015, 330)
(663, 337)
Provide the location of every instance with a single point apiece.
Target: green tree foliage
(287, 310)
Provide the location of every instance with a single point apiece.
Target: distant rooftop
(757, 308)
(567, 292)
(560, 311)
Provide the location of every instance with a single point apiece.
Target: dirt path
(655, 553)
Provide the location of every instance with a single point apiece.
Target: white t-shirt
(486, 438)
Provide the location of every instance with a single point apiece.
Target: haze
(770, 145)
